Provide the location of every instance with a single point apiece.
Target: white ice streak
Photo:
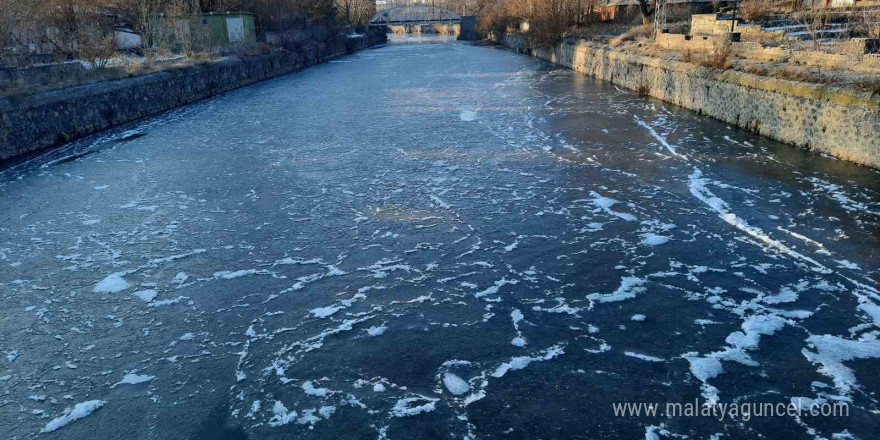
(232, 274)
(644, 357)
(699, 189)
(406, 407)
(520, 362)
(156, 261)
(516, 316)
(492, 290)
(80, 410)
(659, 138)
(629, 288)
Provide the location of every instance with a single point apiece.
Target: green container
(227, 28)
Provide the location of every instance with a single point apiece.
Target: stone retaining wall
(52, 118)
(837, 121)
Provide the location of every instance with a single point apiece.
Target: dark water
(434, 240)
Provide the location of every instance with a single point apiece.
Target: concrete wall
(837, 121)
(469, 28)
(51, 118)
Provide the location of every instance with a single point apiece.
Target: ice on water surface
(483, 246)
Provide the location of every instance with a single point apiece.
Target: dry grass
(635, 33)
(872, 86)
(756, 69)
(687, 56)
(803, 76)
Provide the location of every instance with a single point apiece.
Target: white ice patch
(406, 407)
(832, 351)
(134, 379)
(112, 283)
(323, 312)
(456, 385)
(180, 278)
(629, 288)
(310, 389)
(376, 330)
(146, 295)
(440, 202)
(281, 415)
(638, 317)
(468, 115)
(80, 410)
(872, 310)
(605, 204)
(753, 327)
(705, 368)
(654, 240)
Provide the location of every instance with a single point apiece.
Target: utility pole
(733, 21)
(659, 17)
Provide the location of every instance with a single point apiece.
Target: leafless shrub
(722, 55)
(866, 23)
(756, 10)
(815, 17)
(95, 44)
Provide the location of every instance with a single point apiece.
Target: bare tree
(356, 13)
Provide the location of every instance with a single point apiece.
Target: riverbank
(43, 120)
(838, 121)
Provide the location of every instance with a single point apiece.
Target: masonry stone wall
(837, 121)
(42, 120)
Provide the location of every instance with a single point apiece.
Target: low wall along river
(838, 122)
(42, 120)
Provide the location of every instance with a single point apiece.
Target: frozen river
(435, 240)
